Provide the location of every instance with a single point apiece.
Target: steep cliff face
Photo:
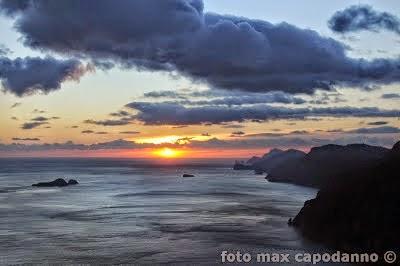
(360, 212)
(273, 159)
(327, 164)
(277, 158)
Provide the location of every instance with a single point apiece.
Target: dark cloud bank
(175, 114)
(363, 17)
(221, 97)
(176, 35)
(24, 76)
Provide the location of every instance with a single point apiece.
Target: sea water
(127, 211)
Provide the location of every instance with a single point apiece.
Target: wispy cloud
(25, 139)
(15, 105)
(108, 122)
(37, 122)
(376, 130)
(32, 125)
(129, 132)
(237, 134)
(377, 123)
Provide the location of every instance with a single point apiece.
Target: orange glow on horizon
(148, 153)
(168, 153)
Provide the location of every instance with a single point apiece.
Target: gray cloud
(164, 94)
(40, 119)
(273, 97)
(363, 17)
(326, 98)
(120, 113)
(129, 132)
(390, 96)
(377, 123)
(108, 122)
(176, 35)
(25, 139)
(274, 134)
(237, 134)
(233, 126)
(32, 125)
(4, 50)
(229, 97)
(37, 111)
(25, 76)
(69, 145)
(335, 130)
(376, 130)
(183, 141)
(94, 132)
(173, 114)
(15, 105)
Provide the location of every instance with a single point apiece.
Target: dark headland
(318, 168)
(358, 205)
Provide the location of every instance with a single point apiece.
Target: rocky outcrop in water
(239, 165)
(59, 182)
(73, 182)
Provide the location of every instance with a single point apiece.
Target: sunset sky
(218, 78)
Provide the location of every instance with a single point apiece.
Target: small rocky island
(59, 182)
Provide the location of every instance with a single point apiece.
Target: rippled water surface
(129, 212)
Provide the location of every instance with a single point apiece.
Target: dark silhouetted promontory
(321, 166)
(271, 160)
(359, 212)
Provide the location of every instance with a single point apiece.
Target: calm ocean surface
(125, 211)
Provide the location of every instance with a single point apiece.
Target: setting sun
(168, 153)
